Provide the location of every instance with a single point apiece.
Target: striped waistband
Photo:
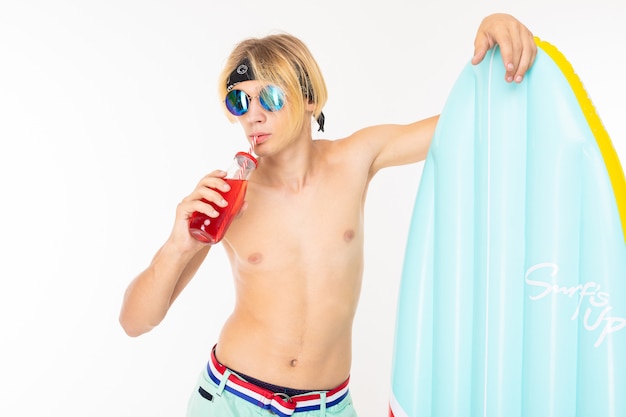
(278, 403)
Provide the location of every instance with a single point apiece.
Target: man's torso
(297, 258)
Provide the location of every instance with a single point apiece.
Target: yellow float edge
(611, 160)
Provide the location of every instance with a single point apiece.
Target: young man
(286, 347)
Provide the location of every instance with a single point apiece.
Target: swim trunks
(222, 392)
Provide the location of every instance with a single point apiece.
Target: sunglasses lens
(272, 98)
(237, 102)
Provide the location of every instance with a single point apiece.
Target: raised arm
(394, 145)
(150, 295)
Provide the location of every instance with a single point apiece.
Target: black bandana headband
(243, 72)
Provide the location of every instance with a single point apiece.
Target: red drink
(211, 230)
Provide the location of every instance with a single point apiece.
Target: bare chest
(316, 229)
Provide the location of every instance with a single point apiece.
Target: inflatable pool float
(512, 300)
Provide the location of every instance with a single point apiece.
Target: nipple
(255, 258)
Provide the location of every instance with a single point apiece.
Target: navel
(348, 235)
(255, 258)
(293, 363)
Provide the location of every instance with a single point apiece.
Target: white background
(109, 116)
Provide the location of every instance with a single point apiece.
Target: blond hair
(283, 60)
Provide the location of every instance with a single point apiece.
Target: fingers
(206, 196)
(511, 51)
(527, 57)
(481, 45)
(516, 42)
(518, 51)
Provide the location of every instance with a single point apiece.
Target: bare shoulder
(384, 145)
(363, 140)
(356, 148)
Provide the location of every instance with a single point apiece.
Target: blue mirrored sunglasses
(271, 98)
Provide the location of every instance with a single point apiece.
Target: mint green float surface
(512, 300)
